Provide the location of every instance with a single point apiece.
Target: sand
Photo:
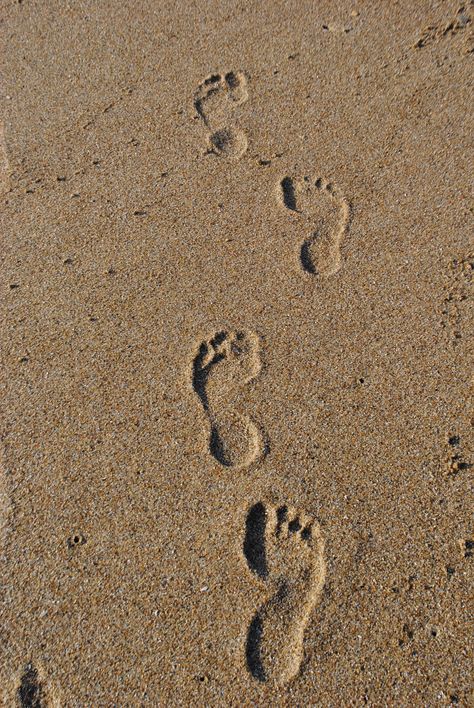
(237, 325)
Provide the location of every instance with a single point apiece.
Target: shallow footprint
(284, 548)
(215, 100)
(329, 211)
(222, 365)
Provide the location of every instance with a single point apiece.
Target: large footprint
(284, 548)
(215, 100)
(329, 211)
(222, 365)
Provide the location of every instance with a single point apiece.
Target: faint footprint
(221, 367)
(284, 548)
(215, 100)
(320, 252)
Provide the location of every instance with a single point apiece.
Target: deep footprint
(286, 550)
(215, 100)
(221, 367)
(320, 251)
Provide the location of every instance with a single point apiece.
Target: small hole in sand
(77, 540)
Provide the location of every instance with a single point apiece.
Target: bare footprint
(329, 211)
(215, 100)
(222, 365)
(284, 548)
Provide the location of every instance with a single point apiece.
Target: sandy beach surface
(237, 317)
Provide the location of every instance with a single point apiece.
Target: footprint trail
(285, 549)
(222, 366)
(215, 101)
(329, 211)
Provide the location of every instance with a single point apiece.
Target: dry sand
(237, 328)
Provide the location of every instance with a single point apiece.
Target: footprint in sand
(320, 252)
(215, 101)
(284, 548)
(221, 367)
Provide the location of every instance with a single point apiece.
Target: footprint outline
(222, 346)
(274, 649)
(214, 100)
(320, 252)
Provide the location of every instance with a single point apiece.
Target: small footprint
(285, 549)
(320, 252)
(215, 100)
(222, 365)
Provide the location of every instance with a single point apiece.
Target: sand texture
(237, 392)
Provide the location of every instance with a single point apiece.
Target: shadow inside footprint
(30, 693)
(201, 368)
(305, 257)
(254, 640)
(254, 541)
(288, 193)
(218, 449)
